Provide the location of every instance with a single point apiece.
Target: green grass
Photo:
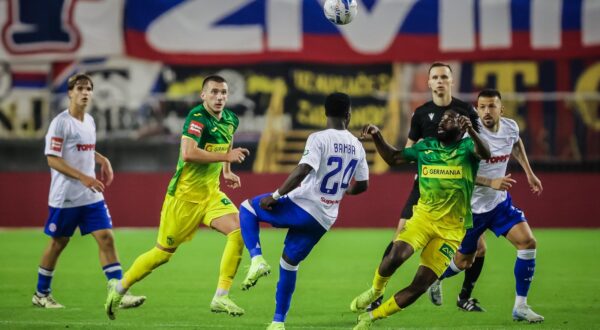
(565, 290)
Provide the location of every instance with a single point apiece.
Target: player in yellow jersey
(194, 197)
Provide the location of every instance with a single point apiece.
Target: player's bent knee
(288, 264)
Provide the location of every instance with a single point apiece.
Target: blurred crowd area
(281, 58)
(139, 107)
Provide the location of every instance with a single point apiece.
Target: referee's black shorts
(413, 198)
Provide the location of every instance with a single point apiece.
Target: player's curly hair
(337, 105)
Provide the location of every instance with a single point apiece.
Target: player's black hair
(439, 64)
(215, 78)
(337, 105)
(490, 92)
(74, 79)
(472, 116)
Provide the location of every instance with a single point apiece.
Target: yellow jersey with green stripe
(195, 182)
(446, 179)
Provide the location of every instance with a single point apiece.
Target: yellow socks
(232, 255)
(144, 265)
(386, 309)
(379, 282)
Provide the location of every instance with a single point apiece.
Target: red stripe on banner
(335, 49)
(29, 76)
(135, 199)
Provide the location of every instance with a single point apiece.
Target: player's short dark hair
(337, 105)
(439, 64)
(213, 77)
(74, 79)
(490, 92)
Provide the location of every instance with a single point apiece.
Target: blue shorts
(499, 220)
(303, 230)
(89, 218)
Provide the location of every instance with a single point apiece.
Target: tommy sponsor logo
(447, 250)
(329, 201)
(86, 147)
(56, 143)
(195, 128)
(498, 159)
(441, 172)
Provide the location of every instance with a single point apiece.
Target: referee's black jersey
(425, 120)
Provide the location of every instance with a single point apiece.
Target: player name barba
(344, 148)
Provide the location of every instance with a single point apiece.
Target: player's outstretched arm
(482, 149)
(60, 165)
(520, 155)
(291, 183)
(389, 153)
(191, 153)
(357, 187)
(502, 183)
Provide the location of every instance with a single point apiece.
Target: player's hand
(503, 183)
(464, 123)
(535, 184)
(106, 171)
(368, 129)
(267, 203)
(94, 184)
(231, 180)
(237, 155)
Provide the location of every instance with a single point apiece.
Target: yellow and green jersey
(446, 178)
(195, 182)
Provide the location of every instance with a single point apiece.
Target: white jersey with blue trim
(75, 142)
(336, 157)
(501, 143)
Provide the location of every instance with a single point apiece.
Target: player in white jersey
(76, 198)
(493, 209)
(307, 203)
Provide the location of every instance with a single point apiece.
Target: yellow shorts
(180, 219)
(439, 240)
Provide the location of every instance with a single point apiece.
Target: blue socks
(113, 270)
(524, 269)
(285, 289)
(451, 270)
(44, 280)
(250, 229)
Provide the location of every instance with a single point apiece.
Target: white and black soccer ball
(340, 12)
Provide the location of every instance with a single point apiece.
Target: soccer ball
(340, 11)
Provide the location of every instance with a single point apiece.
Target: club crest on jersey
(56, 144)
(230, 129)
(430, 116)
(195, 128)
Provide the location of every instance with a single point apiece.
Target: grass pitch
(566, 288)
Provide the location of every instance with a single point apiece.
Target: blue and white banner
(246, 31)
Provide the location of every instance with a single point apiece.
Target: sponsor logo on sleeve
(195, 128)
(56, 144)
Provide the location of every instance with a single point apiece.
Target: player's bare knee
(59, 243)
(527, 244)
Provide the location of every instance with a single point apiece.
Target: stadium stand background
(281, 58)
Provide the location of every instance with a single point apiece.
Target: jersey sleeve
(193, 126)
(415, 132)
(312, 152)
(362, 169)
(410, 154)
(55, 138)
